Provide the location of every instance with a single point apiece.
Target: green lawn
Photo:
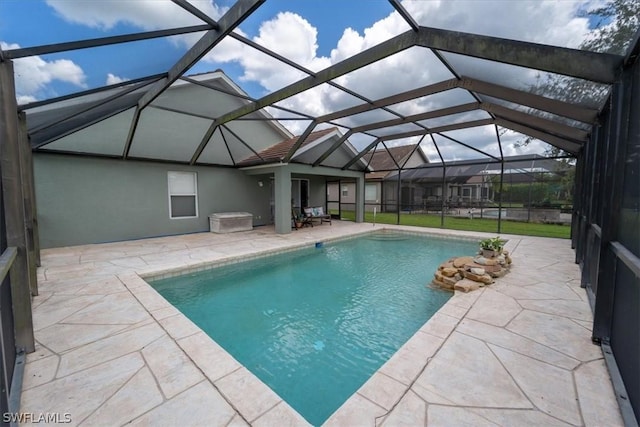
(476, 224)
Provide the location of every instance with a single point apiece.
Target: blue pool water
(315, 324)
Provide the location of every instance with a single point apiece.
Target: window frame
(194, 194)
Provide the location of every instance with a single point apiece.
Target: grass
(476, 224)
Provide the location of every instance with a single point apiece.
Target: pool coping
(260, 404)
(518, 352)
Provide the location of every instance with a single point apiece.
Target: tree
(617, 23)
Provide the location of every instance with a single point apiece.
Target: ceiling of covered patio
(459, 95)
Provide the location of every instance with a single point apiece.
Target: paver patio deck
(110, 350)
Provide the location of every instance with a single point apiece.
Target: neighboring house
(383, 164)
(466, 182)
(133, 173)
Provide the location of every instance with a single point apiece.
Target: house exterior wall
(336, 192)
(84, 200)
(373, 202)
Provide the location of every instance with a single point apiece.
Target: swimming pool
(315, 324)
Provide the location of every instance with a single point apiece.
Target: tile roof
(276, 152)
(382, 161)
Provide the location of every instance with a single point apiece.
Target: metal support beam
(444, 179)
(405, 15)
(613, 179)
(571, 111)
(362, 59)
(234, 16)
(29, 201)
(103, 41)
(593, 66)
(390, 100)
(333, 148)
(299, 142)
(500, 198)
(535, 122)
(469, 147)
(463, 108)
(446, 128)
(572, 147)
(132, 132)
(360, 154)
(197, 12)
(501, 179)
(89, 107)
(14, 209)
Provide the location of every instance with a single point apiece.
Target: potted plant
(491, 247)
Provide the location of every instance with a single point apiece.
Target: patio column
(360, 199)
(282, 192)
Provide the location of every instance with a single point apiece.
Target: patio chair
(299, 219)
(317, 213)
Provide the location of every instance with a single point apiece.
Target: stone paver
(111, 351)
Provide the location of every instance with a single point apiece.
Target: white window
(370, 192)
(183, 194)
(345, 191)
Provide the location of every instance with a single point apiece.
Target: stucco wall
(90, 200)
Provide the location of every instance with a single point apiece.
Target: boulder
(478, 271)
(460, 262)
(445, 265)
(444, 279)
(449, 271)
(442, 285)
(487, 268)
(484, 278)
(485, 261)
(466, 285)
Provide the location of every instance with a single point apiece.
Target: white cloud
(548, 22)
(112, 79)
(25, 99)
(291, 35)
(551, 22)
(145, 14)
(33, 74)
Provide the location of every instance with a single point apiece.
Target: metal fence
(606, 235)
(489, 196)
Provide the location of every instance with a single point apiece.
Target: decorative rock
(466, 285)
(444, 279)
(460, 262)
(449, 271)
(485, 261)
(487, 268)
(442, 285)
(470, 273)
(485, 278)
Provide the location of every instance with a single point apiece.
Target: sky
(314, 33)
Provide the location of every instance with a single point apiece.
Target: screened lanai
(203, 87)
